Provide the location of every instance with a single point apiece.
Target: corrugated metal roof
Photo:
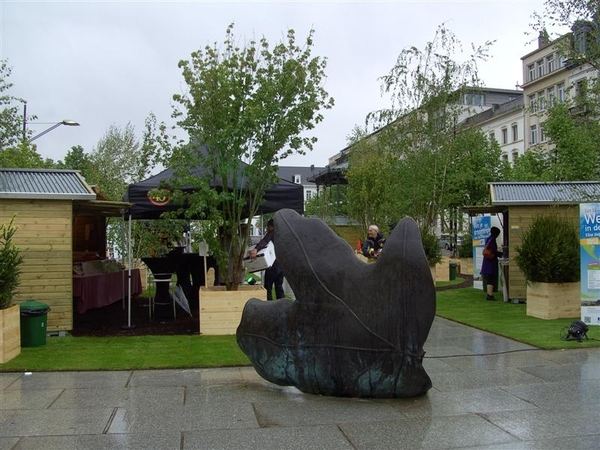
(538, 193)
(47, 184)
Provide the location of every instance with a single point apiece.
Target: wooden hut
(519, 202)
(59, 218)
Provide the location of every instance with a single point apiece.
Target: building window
(533, 135)
(492, 136)
(515, 132)
(550, 63)
(540, 68)
(297, 179)
(474, 99)
(560, 92)
(531, 69)
(541, 98)
(561, 60)
(532, 103)
(504, 136)
(308, 195)
(504, 157)
(515, 155)
(550, 96)
(542, 133)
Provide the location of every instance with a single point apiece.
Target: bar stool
(159, 279)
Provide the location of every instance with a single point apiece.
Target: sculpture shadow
(356, 329)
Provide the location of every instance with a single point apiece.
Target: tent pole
(129, 326)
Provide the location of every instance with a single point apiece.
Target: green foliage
(255, 105)
(418, 163)
(10, 264)
(11, 116)
(549, 250)
(465, 249)
(431, 246)
(77, 159)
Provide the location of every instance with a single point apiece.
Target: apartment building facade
(549, 77)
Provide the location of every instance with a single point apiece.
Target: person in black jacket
(373, 243)
(273, 274)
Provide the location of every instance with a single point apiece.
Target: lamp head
(70, 123)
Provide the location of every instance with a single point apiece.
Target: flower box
(221, 310)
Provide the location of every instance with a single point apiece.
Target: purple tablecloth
(96, 291)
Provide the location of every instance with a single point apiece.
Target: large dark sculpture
(356, 329)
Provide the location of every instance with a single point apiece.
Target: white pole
(129, 326)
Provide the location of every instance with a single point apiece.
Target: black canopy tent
(284, 194)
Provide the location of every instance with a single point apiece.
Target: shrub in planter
(465, 249)
(10, 262)
(549, 251)
(432, 249)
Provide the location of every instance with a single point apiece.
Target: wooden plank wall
(519, 220)
(44, 237)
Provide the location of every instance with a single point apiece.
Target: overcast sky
(113, 62)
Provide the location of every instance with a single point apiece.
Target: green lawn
(466, 306)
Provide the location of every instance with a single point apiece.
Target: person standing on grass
(489, 267)
(273, 274)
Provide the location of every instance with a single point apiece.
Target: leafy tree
(250, 106)
(423, 163)
(574, 154)
(11, 117)
(77, 159)
(24, 155)
(117, 161)
(14, 152)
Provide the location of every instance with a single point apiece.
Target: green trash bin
(453, 270)
(34, 323)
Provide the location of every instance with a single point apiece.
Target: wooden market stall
(60, 222)
(519, 202)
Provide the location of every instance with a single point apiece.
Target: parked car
(445, 243)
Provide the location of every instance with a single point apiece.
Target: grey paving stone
(34, 422)
(210, 417)
(18, 399)
(7, 378)
(577, 442)
(61, 380)
(483, 378)
(571, 393)
(427, 433)
(186, 377)
(462, 402)
(8, 443)
(566, 372)
(139, 397)
(549, 423)
(290, 438)
(170, 440)
(329, 411)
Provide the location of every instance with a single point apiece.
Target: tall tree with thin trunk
(251, 105)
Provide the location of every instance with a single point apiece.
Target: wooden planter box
(466, 266)
(10, 333)
(553, 300)
(221, 310)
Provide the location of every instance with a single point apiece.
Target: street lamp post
(70, 123)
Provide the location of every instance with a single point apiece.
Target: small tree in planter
(549, 255)
(248, 107)
(432, 250)
(10, 262)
